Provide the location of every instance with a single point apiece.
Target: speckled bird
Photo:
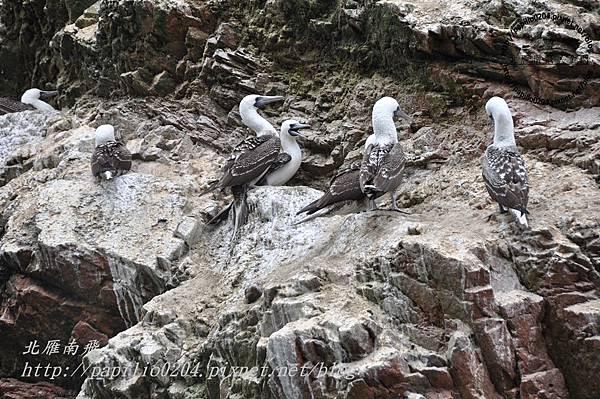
(383, 158)
(504, 170)
(110, 158)
(250, 160)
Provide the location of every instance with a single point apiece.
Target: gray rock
(437, 303)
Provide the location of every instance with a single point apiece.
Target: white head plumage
(504, 130)
(384, 111)
(104, 134)
(250, 116)
(34, 97)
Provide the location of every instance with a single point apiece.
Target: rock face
(26, 31)
(547, 52)
(14, 389)
(436, 303)
(80, 257)
(20, 135)
(416, 307)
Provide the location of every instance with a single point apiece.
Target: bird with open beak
(250, 160)
(289, 159)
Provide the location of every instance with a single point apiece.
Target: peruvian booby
(504, 170)
(383, 159)
(32, 99)
(344, 187)
(289, 160)
(110, 158)
(250, 160)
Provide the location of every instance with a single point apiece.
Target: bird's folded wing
(95, 164)
(110, 157)
(250, 160)
(387, 158)
(282, 159)
(121, 157)
(368, 167)
(346, 185)
(391, 166)
(10, 105)
(353, 167)
(100, 162)
(248, 144)
(505, 177)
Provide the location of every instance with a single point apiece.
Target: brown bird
(343, 187)
(250, 160)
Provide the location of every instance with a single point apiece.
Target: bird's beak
(47, 94)
(297, 126)
(266, 100)
(399, 113)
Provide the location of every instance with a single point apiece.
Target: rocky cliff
(437, 303)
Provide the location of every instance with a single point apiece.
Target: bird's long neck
(254, 121)
(384, 128)
(290, 145)
(504, 130)
(283, 174)
(41, 105)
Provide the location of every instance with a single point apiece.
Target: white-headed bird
(504, 170)
(110, 158)
(383, 158)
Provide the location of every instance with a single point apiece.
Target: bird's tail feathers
(310, 208)
(222, 215)
(240, 214)
(520, 216)
(240, 208)
(337, 208)
(315, 213)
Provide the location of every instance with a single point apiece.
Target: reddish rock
(31, 312)
(438, 377)
(574, 330)
(11, 388)
(393, 375)
(468, 371)
(523, 311)
(530, 345)
(498, 351)
(557, 269)
(482, 299)
(356, 340)
(84, 333)
(359, 389)
(545, 384)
